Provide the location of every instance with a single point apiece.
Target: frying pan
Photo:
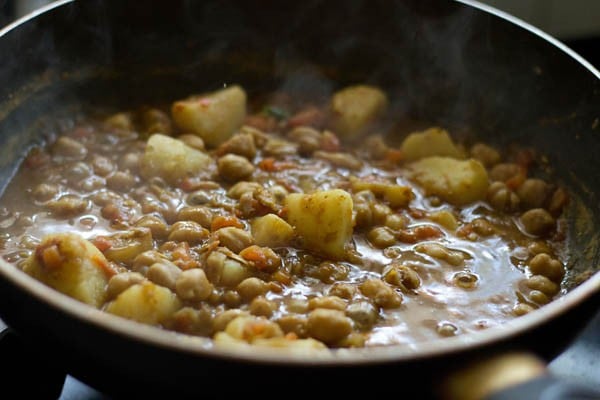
(458, 64)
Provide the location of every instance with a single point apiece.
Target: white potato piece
(457, 181)
(323, 220)
(171, 159)
(355, 108)
(271, 231)
(213, 116)
(145, 302)
(308, 346)
(430, 142)
(72, 265)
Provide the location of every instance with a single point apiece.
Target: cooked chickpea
(363, 313)
(396, 221)
(502, 198)
(121, 181)
(380, 293)
(308, 139)
(543, 284)
(193, 285)
(199, 214)
(293, 323)
(118, 283)
(504, 171)
(522, 309)
(381, 237)
(45, 191)
(194, 141)
(234, 168)
(537, 247)
(262, 307)
(486, 154)
(447, 329)
(157, 225)
(68, 206)
(329, 302)
(402, 276)
(144, 260)
(538, 222)
(164, 273)
(533, 193)
(231, 299)
(192, 321)
(252, 287)
(188, 231)
(543, 264)
(343, 290)
(482, 227)
(328, 326)
(539, 297)
(465, 280)
(69, 148)
(222, 319)
(241, 144)
(235, 239)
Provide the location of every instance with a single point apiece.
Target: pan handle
(518, 375)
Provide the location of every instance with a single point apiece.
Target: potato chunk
(213, 116)
(457, 181)
(271, 231)
(355, 108)
(323, 220)
(72, 265)
(145, 302)
(171, 159)
(430, 142)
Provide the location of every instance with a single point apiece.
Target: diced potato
(355, 108)
(308, 346)
(171, 159)
(394, 195)
(125, 246)
(213, 116)
(72, 265)
(430, 142)
(457, 181)
(323, 220)
(145, 302)
(271, 231)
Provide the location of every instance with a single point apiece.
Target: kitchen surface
(577, 24)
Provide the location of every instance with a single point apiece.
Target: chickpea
(502, 198)
(234, 168)
(522, 309)
(329, 302)
(293, 323)
(194, 141)
(482, 227)
(262, 307)
(222, 319)
(130, 162)
(447, 329)
(156, 224)
(543, 264)
(120, 282)
(381, 237)
(192, 321)
(164, 273)
(538, 222)
(543, 284)
(396, 221)
(465, 280)
(343, 290)
(504, 171)
(242, 187)
(533, 193)
(78, 171)
(69, 148)
(231, 298)
(380, 293)
(102, 166)
(193, 285)
(199, 214)
(328, 326)
(308, 139)
(537, 247)
(241, 144)
(45, 191)
(121, 181)
(539, 297)
(188, 231)
(401, 276)
(363, 313)
(144, 260)
(486, 154)
(252, 287)
(235, 239)
(68, 206)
